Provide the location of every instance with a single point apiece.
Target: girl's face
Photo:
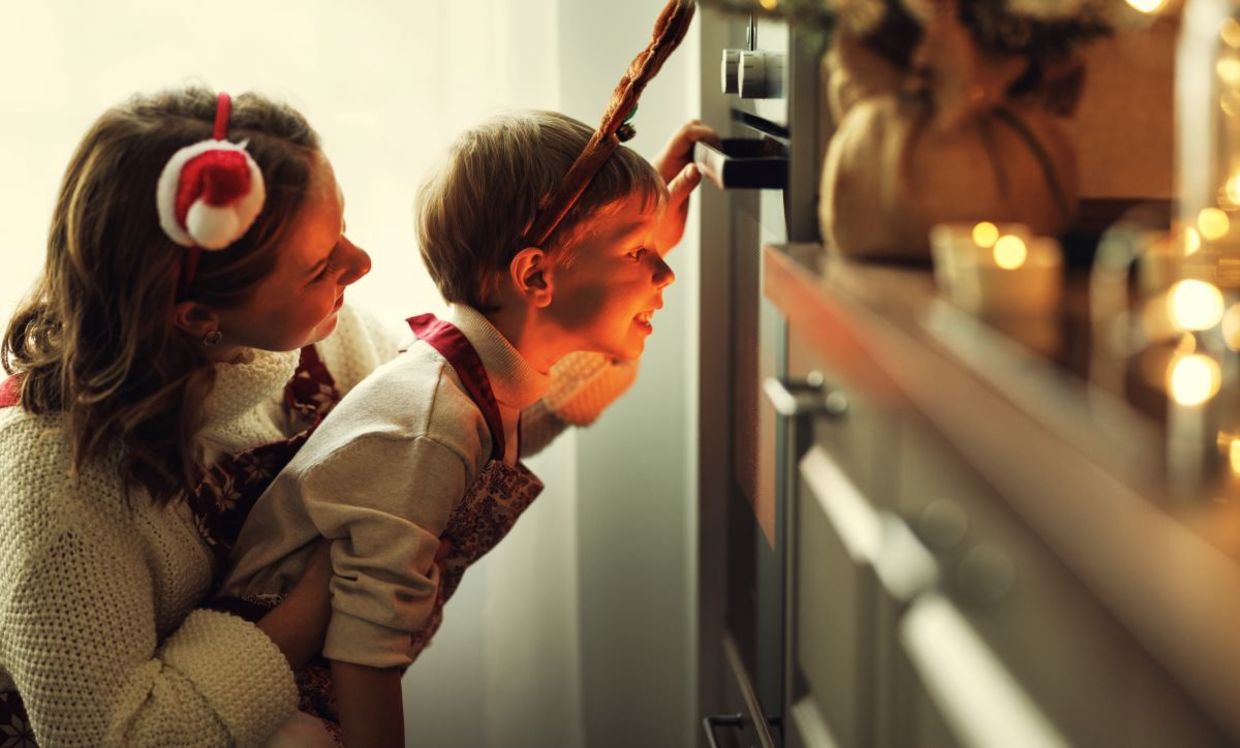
(297, 304)
(605, 295)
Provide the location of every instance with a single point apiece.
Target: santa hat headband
(209, 194)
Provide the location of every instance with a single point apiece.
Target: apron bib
(483, 517)
(225, 493)
(499, 494)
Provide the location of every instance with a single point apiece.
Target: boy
(415, 474)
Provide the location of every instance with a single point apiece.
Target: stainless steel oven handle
(720, 720)
(980, 700)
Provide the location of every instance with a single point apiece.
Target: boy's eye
(637, 254)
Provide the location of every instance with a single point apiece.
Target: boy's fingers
(683, 184)
(704, 133)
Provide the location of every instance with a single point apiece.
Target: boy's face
(604, 297)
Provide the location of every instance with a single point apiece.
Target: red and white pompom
(209, 194)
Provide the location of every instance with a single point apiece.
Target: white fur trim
(247, 209)
(212, 227)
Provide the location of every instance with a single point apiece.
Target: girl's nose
(357, 264)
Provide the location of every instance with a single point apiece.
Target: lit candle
(997, 269)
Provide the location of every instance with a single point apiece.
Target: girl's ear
(531, 277)
(195, 319)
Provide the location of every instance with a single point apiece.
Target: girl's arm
(369, 698)
(79, 640)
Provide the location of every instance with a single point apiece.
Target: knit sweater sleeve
(78, 633)
(582, 386)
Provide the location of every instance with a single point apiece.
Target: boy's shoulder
(415, 395)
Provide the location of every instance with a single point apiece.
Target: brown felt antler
(669, 30)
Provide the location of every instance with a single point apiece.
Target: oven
(765, 179)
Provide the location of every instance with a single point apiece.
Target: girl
(152, 397)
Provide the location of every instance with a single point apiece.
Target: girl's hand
(675, 165)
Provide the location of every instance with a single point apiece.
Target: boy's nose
(357, 265)
(663, 275)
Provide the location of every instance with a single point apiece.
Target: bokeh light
(1195, 305)
(1010, 252)
(1193, 379)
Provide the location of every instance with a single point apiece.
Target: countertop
(1073, 442)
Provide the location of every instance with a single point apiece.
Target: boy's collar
(515, 382)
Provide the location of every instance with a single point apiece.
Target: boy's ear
(195, 319)
(529, 271)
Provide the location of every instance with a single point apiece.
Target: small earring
(212, 338)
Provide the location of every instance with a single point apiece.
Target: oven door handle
(742, 163)
(733, 721)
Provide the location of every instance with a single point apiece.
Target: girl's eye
(329, 267)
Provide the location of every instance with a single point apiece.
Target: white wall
(635, 506)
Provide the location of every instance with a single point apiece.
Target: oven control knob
(761, 75)
(729, 71)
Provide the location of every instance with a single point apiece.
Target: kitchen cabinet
(961, 570)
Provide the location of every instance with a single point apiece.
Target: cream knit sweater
(99, 629)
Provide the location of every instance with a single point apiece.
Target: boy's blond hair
(473, 210)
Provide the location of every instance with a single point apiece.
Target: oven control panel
(757, 74)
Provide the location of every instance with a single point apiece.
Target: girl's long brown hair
(95, 340)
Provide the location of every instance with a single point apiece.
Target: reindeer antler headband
(669, 30)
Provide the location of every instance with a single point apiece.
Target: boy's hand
(297, 625)
(675, 165)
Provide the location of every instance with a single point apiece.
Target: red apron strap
(227, 490)
(11, 391)
(454, 346)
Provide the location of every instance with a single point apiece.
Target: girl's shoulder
(37, 479)
(360, 343)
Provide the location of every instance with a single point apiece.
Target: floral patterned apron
(497, 497)
(223, 498)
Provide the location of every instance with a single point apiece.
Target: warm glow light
(769, 4)
(1228, 70)
(1193, 379)
(1213, 223)
(1229, 30)
(1147, 6)
(985, 234)
(1192, 240)
(1187, 344)
(1195, 305)
(1229, 102)
(1010, 252)
(1231, 190)
(1233, 455)
(1231, 327)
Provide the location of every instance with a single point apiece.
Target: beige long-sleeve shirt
(386, 468)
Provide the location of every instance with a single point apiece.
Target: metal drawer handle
(804, 397)
(982, 702)
(709, 724)
(850, 514)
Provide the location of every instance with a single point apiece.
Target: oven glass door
(756, 537)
